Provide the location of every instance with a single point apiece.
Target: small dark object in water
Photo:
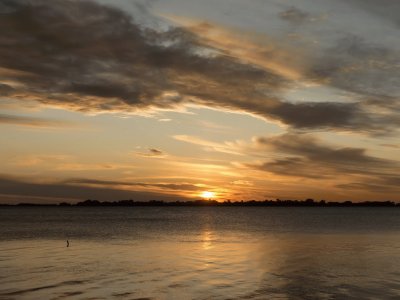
(67, 243)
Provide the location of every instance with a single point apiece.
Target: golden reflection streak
(207, 239)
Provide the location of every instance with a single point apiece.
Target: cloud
(62, 162)
(377, 186)
(259, 50)
(25, 121)
(369, 73)
(5, 89)
(162, 186)
(19, 189)
(35, 160)
(303, 155)
(387, 10)
(152, 153)
(242, 182)
(208, 145)
(313, 148)
(359, 66)
(311, 114)
(155, 151)
(391, 146)
(95, 58)
(294, 15)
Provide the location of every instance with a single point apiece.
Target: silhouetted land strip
(265, 203)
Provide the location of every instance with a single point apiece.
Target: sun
(207, 195)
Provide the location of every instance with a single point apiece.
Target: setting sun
(207, 195)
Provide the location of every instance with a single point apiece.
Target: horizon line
(210, 202)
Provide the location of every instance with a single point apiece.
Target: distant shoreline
(214, 203)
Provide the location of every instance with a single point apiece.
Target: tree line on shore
(272, 203)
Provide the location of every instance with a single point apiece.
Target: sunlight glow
(207, 195)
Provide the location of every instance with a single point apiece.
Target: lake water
(199, 253)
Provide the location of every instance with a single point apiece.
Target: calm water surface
(199, 253)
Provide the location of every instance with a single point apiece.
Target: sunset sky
(168, 99)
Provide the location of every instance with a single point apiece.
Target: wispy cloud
(33, 122)
(163, 186)
(35, 160)
(63, 162)
(207, 145)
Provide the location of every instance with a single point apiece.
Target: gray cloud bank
(305, 156)
(89, 57)
(387, 10)
(163, 186)
(81, 189)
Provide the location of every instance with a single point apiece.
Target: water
(199, 253)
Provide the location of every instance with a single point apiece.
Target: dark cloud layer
(94, 57)
(163, 186)
(302, 155)
(377, 185)
(75, 191)
(89, 57)
(308, 115)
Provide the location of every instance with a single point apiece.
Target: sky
(183, 100)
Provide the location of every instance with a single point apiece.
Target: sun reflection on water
(207, 238)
